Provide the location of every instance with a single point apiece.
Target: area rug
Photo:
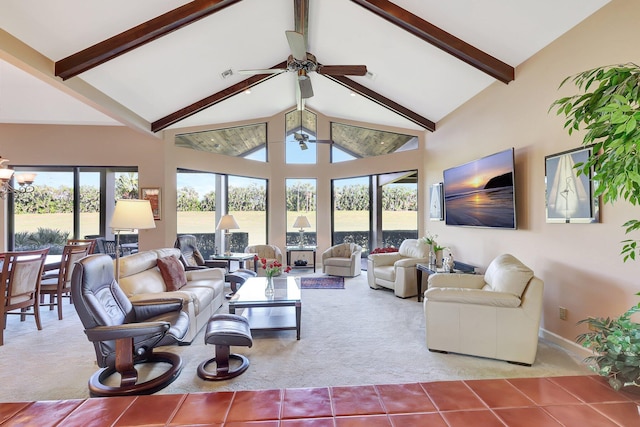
(322, 282)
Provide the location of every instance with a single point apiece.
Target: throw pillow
(172, 273)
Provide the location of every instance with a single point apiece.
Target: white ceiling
(183, 67)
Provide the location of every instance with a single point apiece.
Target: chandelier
(24, 180)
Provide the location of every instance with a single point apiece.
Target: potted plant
(610, 115)
(616, 343)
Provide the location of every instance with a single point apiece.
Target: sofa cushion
(413, 248)
(172, 273)
(507, 274)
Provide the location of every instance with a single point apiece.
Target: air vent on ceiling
(370, 75)
(226, 73)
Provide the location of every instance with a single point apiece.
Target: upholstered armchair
(397, 270)
(342, 260)
(495, 315)
(270, 253)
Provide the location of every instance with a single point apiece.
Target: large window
(247, 202)
(301, 201)
(66, 203)
(399, 207)
(351, 211)
(196, 203)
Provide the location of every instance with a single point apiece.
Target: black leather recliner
(124, 333)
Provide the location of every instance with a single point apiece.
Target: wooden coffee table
(282, 311)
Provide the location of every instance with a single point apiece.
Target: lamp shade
(227, 222)
(132, 214)
(301, 222)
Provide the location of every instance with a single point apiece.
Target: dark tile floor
(580, 401)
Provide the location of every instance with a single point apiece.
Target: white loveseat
(496, 315)
(397, 270)
(141, 279)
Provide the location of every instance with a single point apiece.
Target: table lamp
(301, 222)
(227, 223)
(130, 215)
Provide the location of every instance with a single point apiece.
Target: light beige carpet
(350, 336)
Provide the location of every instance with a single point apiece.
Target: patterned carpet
(328, 282)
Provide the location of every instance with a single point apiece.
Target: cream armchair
(270, 253)
(496, 315)
(342, 260)
(397, 270)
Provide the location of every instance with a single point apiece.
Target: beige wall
(579, 263)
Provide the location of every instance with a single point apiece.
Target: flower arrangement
(430, 239)
(273, 268)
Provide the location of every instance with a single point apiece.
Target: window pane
(354, 142)
(89, 204)
(247, 200)
(351, 204)
(300, 132)
(44, 218)
(301, 201)
(399, 207)
(196, 206)
(240, 141)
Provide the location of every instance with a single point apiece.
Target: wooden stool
(225, 330)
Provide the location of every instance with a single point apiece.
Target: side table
(301, 249)
(458, 267)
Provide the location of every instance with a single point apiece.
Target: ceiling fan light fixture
(303, 145)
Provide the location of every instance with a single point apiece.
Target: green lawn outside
(204, 222)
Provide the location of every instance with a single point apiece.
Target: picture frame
(436, 203)
(153, 195)
(569, 197)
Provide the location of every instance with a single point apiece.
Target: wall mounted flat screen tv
(481, 193)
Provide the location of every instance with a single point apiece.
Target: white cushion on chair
(507, 274)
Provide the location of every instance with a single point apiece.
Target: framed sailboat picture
(569, 196)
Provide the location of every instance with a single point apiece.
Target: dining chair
(91, 242)
(60, 285)
(21, 273)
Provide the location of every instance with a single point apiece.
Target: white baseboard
(569, 346)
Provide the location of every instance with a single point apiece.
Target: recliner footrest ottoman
(237, 279)
(225, 330)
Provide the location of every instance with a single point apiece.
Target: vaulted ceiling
(152, 64)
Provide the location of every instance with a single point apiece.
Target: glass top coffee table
(282, 311)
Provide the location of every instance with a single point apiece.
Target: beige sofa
(140, 279)
(397, 270)
(496, 315)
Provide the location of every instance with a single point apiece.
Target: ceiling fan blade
(265, 71)
(304, 82)
(342, 70)
(297, 45)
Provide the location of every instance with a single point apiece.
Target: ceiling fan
(303, 138)
(302, 62)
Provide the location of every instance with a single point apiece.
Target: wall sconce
(301, 222)
(226, 223)
(24, 180)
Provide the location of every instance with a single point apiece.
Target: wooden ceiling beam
(440, 38)
(137, 36)
(211, 100)
(383, 101)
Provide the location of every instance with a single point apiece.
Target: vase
(269, 291)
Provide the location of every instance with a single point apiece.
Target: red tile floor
(580, 401)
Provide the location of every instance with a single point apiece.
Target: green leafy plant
(608, 111)
(616, 343)
(610, 114)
